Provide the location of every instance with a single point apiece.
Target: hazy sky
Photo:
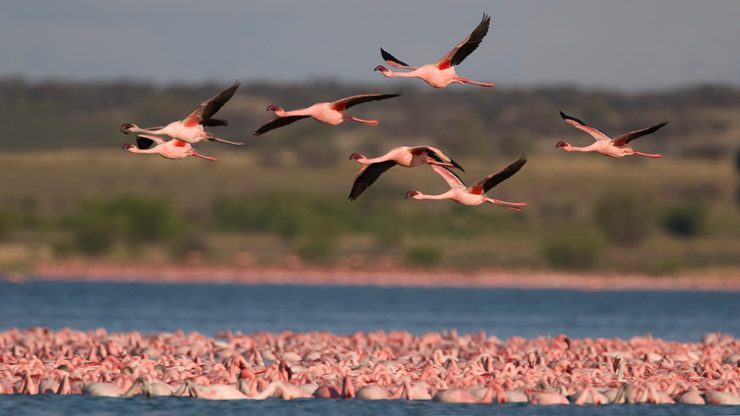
(626, 43)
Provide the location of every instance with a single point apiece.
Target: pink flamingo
(171, 149)
(402, 156)
(604, 144)
(463, 395)
(328, 113)
(476, 194)
(441, 73)
(191, 128)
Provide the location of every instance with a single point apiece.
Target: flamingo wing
(278, 122)
(348, 102)
(202, 113)
(146, 141)
(367, 176)
(437, 155)
(494, 179)
(596, 134)
(467, 46)
(449, 176)
(393, 61)
(628, 137)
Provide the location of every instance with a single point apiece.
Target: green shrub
(572, 251)
(424, 255)
(98, 224)
(684, 220)
(316, 249)
(624, 218)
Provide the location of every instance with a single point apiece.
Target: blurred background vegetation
(68, 191)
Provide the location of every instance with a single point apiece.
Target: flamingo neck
(445, 195)
(137, 129)
(146, 151)
(570, 148)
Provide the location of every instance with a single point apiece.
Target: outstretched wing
(367, 176)
(628, 137)
(393, 61)
(348, 102)
(449, 176)
(278, 122)
(596, 134)
(208, 108)
(437, 155)
(467, 46)
(146, 141)
(496, 178)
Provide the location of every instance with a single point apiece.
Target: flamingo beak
(272, 107)
(380, 68)
(411, 194)
(125, 127)
(561, 143)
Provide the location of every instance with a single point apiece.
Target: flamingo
(476, 194)
(441, 73)
(328, 113)
(405, 156)
(191, 128)
(171, 149)
(604, 144)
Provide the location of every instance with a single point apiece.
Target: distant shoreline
(105, 272)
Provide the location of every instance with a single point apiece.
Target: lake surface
(680, 316)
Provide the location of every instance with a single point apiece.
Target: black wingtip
(457, 165)
(567, 117)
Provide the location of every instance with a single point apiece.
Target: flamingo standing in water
(327, 113)
(441, 73)
(171, 149)
(476, 194)
(405, 156)
(191, 128)
(604, 144)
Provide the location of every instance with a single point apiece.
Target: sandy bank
(386, 277)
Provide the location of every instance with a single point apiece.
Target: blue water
(680, 316)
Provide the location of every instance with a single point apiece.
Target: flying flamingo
(191, 128)
(476, 194)
(441, 73)
(604, 144)
(172, 149)
(327, 113)
(405, 156)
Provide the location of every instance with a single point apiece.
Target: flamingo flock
(191, 130)
(439, 366)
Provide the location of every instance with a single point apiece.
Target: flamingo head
(411, 194)
(385, 71)
(127, 146)
(561, 143)
(273, 108)
(125, 127)
(356, 156)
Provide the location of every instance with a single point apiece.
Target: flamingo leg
(514, 206)
(653, 155)
(470, 81)
(196, 154)
(220, 140)
(363, 121)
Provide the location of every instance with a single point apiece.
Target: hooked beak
(125, 127)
